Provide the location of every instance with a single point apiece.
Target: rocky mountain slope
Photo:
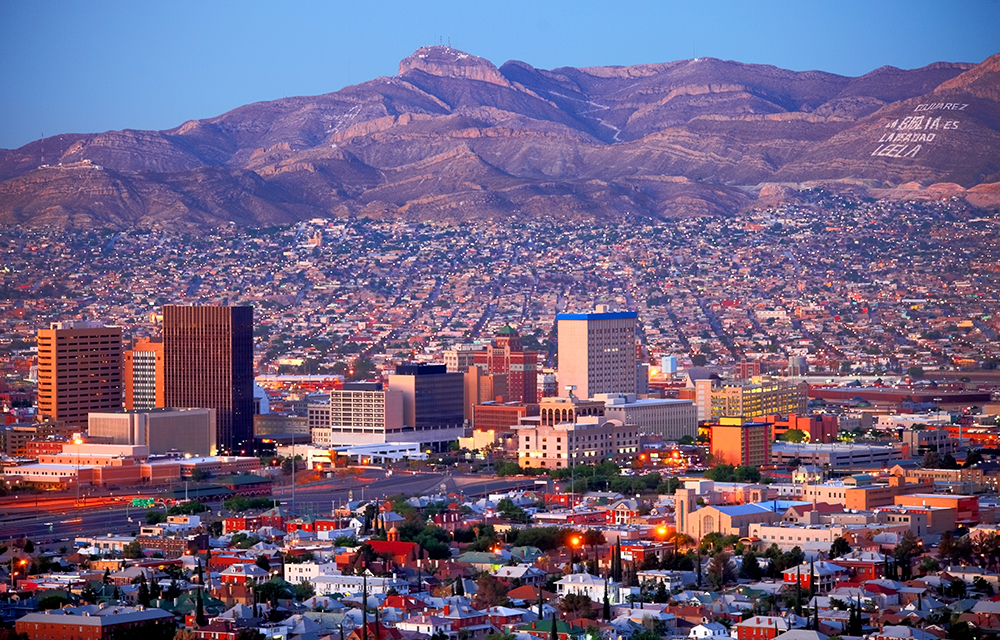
(454, 137)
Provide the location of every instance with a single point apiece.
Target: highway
(61, 521)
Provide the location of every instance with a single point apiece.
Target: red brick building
(506, 355)
(92, 622)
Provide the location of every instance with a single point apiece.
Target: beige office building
(597, 353)
(360, 413)
(461, 357)
(669, 418)
(161, 430)
(79, 371)
(571, 443)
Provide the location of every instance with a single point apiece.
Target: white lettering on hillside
(906, 137)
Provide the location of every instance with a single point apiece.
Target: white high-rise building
(597, 353)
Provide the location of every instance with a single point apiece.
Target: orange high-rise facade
(144, 375)
(79, 371)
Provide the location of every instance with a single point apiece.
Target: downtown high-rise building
(506, 356)
(433, 405)
(208, 363)
(144, 375)
(597, 353)
(79, 371)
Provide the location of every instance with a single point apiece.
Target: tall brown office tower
(79, 371)
(208, 364)
(144, 375)
(506, 355)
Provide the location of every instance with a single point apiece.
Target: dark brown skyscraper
(208, 363)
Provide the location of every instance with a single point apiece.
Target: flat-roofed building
(505, 356)
(668, 418)
(360, 413)
(79, 371)
(966, 507)
(597, 353)
(143, 375)
(162, 430)
(94, 622)
(570, 443)
(754, 398)
(433, 405)
(208, 362)
(836, 455)
(500, 417)
(739, 442)
(459, 358)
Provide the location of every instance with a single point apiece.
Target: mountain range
(453, 137)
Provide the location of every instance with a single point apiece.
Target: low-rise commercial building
(670, 419)
(566, 444)
(92, 622)
(836, 455)
(163, 431)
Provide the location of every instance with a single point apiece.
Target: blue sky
(77, 67)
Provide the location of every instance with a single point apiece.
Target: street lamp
(12, 572)
(77, 442)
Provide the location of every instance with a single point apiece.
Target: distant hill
(453, 137)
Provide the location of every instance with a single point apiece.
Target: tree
(795, 435)
(839, 548)
(490, 592)
(143, 595)
(511, 511)
(720, 570)
(263, 562)
(577, 603)
(749, 567)
(592, 538)
(199, 616)
(915, 372)
(155, 517)
(303, 591)
(931, 460)
(132, 550)
(607, 602)
(904, 553)
(459, 586)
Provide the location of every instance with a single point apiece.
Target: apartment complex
(736, 441)
(570, 443)
(208, 362)
(360, 413)
(143, 375)
(79, 371)
(189, 431)
(757, 397)
(597, 353)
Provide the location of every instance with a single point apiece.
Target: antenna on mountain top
(449, 42)
(693, 56)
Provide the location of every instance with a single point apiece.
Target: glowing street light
(77, 442)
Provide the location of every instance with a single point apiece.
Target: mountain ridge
(453, 137)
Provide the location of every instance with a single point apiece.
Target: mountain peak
(451, 63)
